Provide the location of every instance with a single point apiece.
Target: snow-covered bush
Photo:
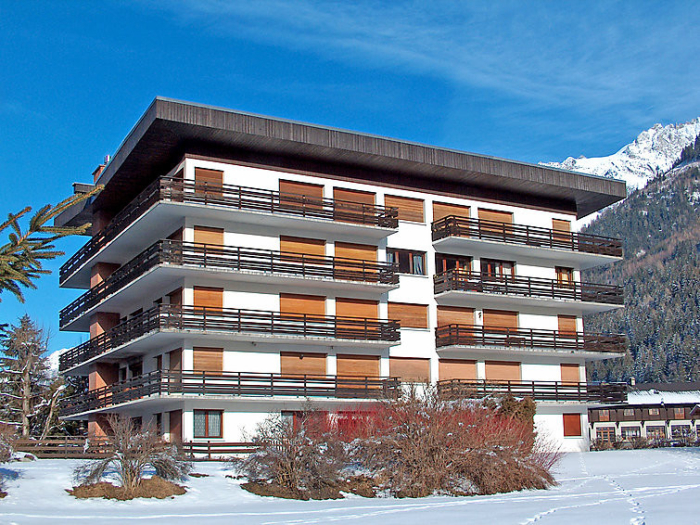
(136, 451)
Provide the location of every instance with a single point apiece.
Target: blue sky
(532, 81)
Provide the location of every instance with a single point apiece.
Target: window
(680, 431)
(565, 276)
(631, 432)
(494, 268)
(628, 412)
(603, 415)
(656, 432)
(605, 434)
(678, 413)
(654, 412)
(409, 262)
(572, 425)
(445, 263)
(207, 423)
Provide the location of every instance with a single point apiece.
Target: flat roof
(170, 129)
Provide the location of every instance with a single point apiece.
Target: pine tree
(21, 259)
(24, 378)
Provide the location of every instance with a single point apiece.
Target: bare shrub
(136, 451)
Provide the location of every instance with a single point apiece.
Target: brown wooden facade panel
(500, 319)
(365, 308)
(457, 369)
(209, 235)
(316, 247)
(443, 209)
(207, 359)
(357, 365)
(503, 371)
(207, 297)
(302, 304)
(409, 315)
(455, 315)
(409, 209)
(411, 369)
(298, 363)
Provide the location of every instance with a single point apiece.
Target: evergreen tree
(22, 257)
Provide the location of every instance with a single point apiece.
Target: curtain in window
(200, 423)
(214, 424)
(418, 264)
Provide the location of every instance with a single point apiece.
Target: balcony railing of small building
(453, 226)
(473, 335)
(465, 281)
(212, 257)
(173, 189)
(235, 384)
(228, 320)
(537, 390)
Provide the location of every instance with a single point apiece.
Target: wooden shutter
(175, 297)
(175, 360)
(348, 205)
(457, 369)
(305, 195)
(572, 425)
(316, 247)
(302, 304)
(297, 363)
(500, 319)
(455, 315)
(504, 217)
(411, 369)
(409, 315)
(205, 297)
(209, 181)
(208, 359)
(570, 373)
(567, 324)
(442, 210)
(562, 230)
(409, 209)
(358, 252)
(207, 235)
(502, 371)
(356, 308)
(175, 426)
(357, 365)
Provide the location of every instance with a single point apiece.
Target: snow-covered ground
(596, 488)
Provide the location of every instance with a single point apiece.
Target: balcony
(537, 390)
(180, 259)
(511, 341)
(161, 203)
(163, 383)
(168, 323)
(460, 287)
(461, 235)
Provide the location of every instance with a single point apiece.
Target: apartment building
(242, 265)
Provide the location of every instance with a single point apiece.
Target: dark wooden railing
(537, 390)
(215, 450)
(472, 335)
(163, 382)
(207, 256)
(465, 281)
(232, 197)
(172, 317)
(65, 447)
(453, 226)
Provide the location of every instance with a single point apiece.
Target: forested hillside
(660, 227)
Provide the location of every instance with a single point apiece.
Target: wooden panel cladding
(457, 369)
(358, 252)
(315, 247)
(503, 371)
(570, 373)
(409, 315)
(504, 217)
(409, 209)
(208, 359)
(298, 363)
(213, 179)
(101, 271)
(362, 197)
(175, 297)
(572, 425)
(455, 315)
(443, 209)
(176, 235)
(291, 303)
(175, 420)
(567, 323)
(208, 235)
(175, 360)
(313, 191)
(351, 365)
(205, 297)
(561, 225)
(411, 369)
(500, 319)
(356, 308)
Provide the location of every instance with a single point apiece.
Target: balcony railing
(207, 256)
(472, 335)
(172, 189)
(172, 317)
(453, 226)
(465, 281)
(163, 382)
(537, 390)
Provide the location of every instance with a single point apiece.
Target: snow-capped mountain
(653, 151)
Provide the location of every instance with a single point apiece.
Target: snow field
(638, 487)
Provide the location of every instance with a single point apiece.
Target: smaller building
(655, 411)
